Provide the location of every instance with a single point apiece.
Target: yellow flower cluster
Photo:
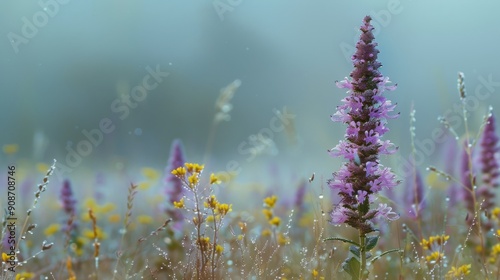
(458, 271)
(224, 208)
(269, 203)
(179, 204)
(204, 243)
(89, 233)
(179, 172)
(99, 210)
(52, 229)
(434, 244)
(434, 257)
(194, 170)
(439, 240)
(211, 202)
(24, 275)
(214, 179)
(219, 249)
(495, 213)
(495, 253)
(282, 239)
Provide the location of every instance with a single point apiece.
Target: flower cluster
(434, 244)
(458, 272)
(365, 111)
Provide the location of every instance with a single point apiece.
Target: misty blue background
(286, 53)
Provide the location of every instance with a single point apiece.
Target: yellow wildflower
(150, 173)
(314, 273)
(214, 179)
(275, 221)
(11, 149)
(194, 167)
(179, 204)
(193, 180)
(436, 256)
(283, 240)
(268, 213)
(496, 213)
(144, 185)
(460, 271)
(144, 219)
(90, 203)
(108, 207)
(42, 167)
(24, 275)
(266, 232)
(219, 249)
(90, 233)
(115, 218)
(224, 208)
(270, 201)
(204, 243)
(211, 218)
(211, 202)
(495, 252)
(52, 229)
(179, 172)
(5, 257)
(439, 240)
(226, 177)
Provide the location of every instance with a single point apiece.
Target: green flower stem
(362, 255)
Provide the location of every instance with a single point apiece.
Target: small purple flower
(365, 112)
(386, 212)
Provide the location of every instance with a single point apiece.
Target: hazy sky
(64, 63)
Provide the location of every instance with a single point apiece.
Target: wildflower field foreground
(188, 221)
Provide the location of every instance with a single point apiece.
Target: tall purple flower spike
(489, 149)
(68, 203)
(365, 111)
(414, 196)
(67, 199)
(490, 170)
(174, 189)
(174, 185)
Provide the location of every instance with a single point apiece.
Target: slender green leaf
(385, 253)
(343, 240)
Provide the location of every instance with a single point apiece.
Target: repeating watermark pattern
(30, 27)
(223, 6)
(262, 139)
(121, 106)
(426, 147)
(11, 219)
(380, 19)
